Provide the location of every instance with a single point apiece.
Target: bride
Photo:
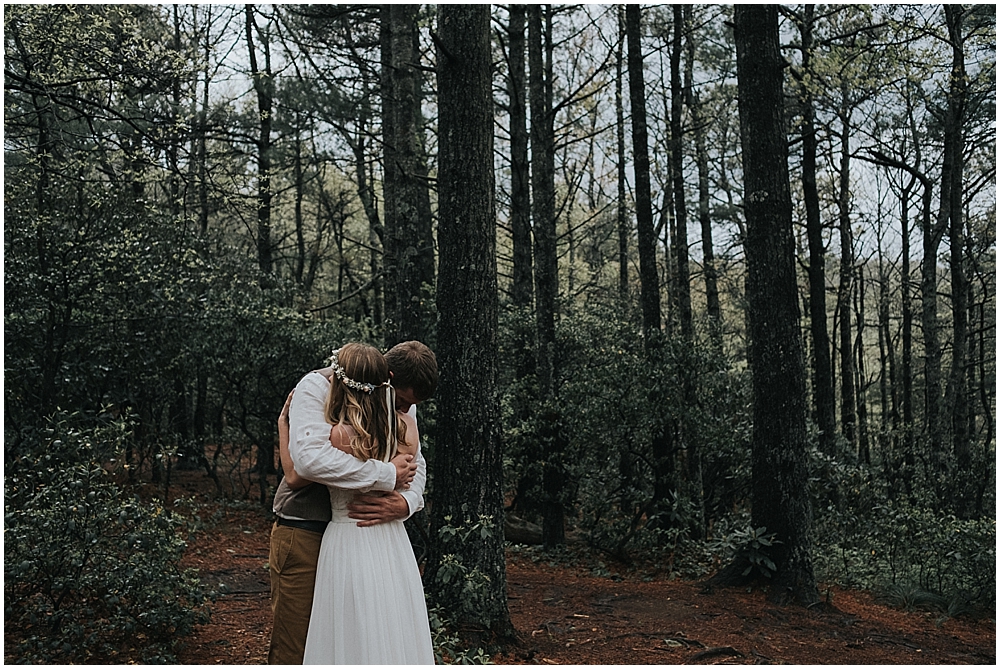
(368, 604)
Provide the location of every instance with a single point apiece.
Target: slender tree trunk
(957, 383)
(263, 84)
(909, 455)
(823, 393)
(621, 210)
(520, 187)
(780, 500)
(546, 267)
(202, 131)
(713, 305)
(682, 280)
(297, 176)
(469, 475)
(662, 443)
(864, 448)
(906, 335)
(174, 140)
(648, 276)
(888, 366)
(682, 20)
(848, 391)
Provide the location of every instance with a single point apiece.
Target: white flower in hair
(348, 381)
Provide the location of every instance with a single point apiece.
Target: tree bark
(468, 462)
(954, 144)
(648, 275)
(845, 288)
(682, 277)
(408, 240)
(546, 268)
(263, 84)
(779, 469)
(823, 394)
(520, 188)
(621, 210)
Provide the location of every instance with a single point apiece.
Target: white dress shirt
(315, 459)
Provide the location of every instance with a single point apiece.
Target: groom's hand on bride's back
(375, 508)
(406, 469)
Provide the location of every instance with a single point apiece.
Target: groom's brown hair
(413, 366)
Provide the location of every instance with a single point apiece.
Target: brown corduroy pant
(293, 558)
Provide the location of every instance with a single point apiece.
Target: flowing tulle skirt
(368, 606)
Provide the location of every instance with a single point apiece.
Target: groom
(303, 513)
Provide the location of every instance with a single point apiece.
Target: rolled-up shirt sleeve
(313, 456)
(414, 495)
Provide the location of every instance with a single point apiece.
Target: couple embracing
(345, 586)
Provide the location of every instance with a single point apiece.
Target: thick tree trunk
(543, 193)
(779, 469)
(408, 240)
(468, 452)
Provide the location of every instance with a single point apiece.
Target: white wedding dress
(368, 606)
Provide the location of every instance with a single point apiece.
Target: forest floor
(566, 615)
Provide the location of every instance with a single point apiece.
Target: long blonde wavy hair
(368, 413)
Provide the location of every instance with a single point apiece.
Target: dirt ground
(565, 615)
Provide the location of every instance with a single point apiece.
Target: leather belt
(309, 525)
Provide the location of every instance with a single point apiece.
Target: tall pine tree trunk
(468, 453)
(520, 187)
(954, 140)
(779, 496)
(263, 84)
(621, 210)
(546, 269)
(408, 240)
(649, 281)
(648, 275)
(848, 392)
(823, 394)
(682, 278)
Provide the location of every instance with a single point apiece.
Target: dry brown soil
(565, 615)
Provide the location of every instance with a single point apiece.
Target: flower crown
(348, 381)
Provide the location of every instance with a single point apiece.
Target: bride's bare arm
(292, 478)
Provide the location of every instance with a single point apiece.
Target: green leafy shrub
(613, 396)
(900, 547)
(448, 647)
(91, 574)
(465, 589)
